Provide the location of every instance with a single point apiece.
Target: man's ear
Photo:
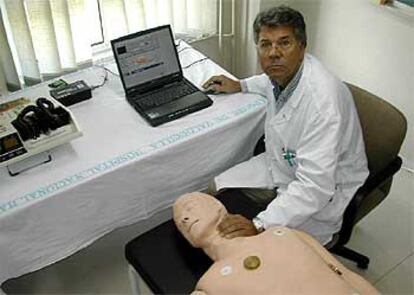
(304, 45)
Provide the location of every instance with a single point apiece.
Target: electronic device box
(32, 126)
(72, 93)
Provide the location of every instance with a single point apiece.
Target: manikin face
(197, 216)
(280, 53)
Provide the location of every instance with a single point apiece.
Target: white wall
(210, 48)
(372, 47)
(365, 44)
(230, 55)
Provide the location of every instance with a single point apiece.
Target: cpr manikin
(277, 261)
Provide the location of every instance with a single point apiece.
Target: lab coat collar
(297, 95)
(290, 88)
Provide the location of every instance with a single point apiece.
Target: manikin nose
(186, 219)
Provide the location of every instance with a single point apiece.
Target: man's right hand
(236, 225)
(222, 84)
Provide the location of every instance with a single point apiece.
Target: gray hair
(281, 16)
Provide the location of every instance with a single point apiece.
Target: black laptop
(152, 77)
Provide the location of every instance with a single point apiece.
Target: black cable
(196, 62)
(106, 69)
(105, 77)
(109, 71)
(185, 48)
(103, 82)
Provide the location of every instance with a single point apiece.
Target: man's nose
(275, 52)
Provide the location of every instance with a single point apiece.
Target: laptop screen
(146, 56)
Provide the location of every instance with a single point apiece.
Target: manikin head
(197, 216)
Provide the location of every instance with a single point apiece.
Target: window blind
(47, 38)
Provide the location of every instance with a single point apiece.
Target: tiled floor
(386, 235)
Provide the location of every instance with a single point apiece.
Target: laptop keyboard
(166, 95)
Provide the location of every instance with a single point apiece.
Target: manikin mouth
(191, 225)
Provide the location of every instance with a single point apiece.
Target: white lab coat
(319, 124)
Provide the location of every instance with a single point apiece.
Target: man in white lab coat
(315, 158)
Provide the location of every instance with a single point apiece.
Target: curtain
(184, 16)
(42, 39)
(8, 74)
(245, 61)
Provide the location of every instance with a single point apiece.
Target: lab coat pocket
(282, 132)
(281, 126)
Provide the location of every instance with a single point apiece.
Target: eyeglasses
(282, 45)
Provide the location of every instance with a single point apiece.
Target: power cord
(185, 48)
(105, 78)
(103, 82)
(108, 70)
(195, 62)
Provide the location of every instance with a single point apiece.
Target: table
(121, 170)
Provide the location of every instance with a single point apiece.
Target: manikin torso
(288, 264)
(277, 261)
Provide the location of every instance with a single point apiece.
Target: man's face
(280, 54)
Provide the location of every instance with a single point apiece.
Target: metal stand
(23, 167)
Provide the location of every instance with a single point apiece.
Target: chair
(384, 128)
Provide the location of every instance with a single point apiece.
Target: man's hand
(222, 84)
(235, 225)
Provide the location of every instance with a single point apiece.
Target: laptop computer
(152, 76)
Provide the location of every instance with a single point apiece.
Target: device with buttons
(72, 93)
(29, 127)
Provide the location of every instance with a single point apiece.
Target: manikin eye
(186, 219)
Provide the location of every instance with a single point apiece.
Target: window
(109, 19)
(96, 28)
(406, 2)
(47, 38)
(403, 9)
(396, 3)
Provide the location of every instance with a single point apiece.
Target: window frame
(403, 2)
(100, 18)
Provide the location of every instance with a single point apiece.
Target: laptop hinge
(155, 85)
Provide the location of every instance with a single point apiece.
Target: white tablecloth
(121, 171)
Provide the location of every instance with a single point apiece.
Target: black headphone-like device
(38, 119)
